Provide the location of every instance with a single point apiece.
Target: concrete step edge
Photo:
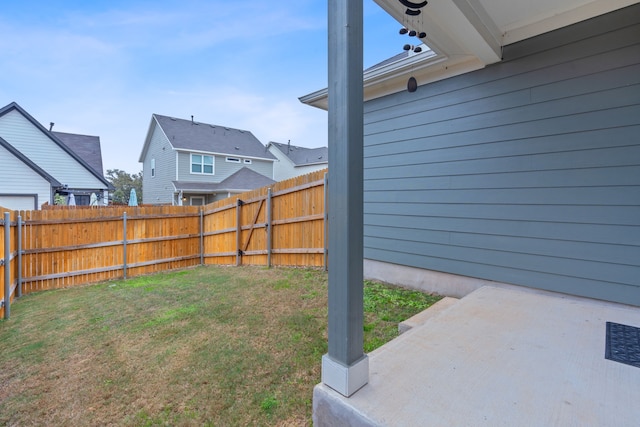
(433, 311)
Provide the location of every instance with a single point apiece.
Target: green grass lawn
(212, 346)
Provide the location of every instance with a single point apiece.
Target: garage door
(18, 202)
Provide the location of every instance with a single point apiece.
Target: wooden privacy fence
(283, 224)
(278, 225)
(9, 261)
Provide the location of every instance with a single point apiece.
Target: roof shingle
(85, 146)
(191, 135)
(243, 180)
(301, 156)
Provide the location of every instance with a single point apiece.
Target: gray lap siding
(525, 172)
(222, 168)
(158, 189)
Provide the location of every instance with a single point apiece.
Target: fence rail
(283, 224)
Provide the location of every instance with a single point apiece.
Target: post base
(346, 380)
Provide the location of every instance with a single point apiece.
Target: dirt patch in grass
(207, 346)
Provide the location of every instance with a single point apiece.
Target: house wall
(222, 168)
(18, 178)
(285, 169)
(158, 189)
(526, 172)
(303, 170)
(30, 141)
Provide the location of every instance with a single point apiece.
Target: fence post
(201, 236)
(7, 265)
(326, 222)
(238, 233)
(269, 226)
(19, 232)
(124, 245)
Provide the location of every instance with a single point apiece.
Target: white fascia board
(316, 99)
(311, 164)
(395, 76)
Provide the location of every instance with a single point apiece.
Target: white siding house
(36, 163)
(295, 161)
(24, 185)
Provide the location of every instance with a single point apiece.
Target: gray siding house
(295, 161)
(36, 163)
(192, 163)
(516, 161)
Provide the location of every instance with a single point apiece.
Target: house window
(202, 164)
(247, 161)
(197, 200)
(233, 160)
(153, 167)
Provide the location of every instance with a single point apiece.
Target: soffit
(482, 27)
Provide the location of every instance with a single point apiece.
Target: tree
(123, 183)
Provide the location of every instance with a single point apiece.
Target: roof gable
(302, 156)
(247, 179)
(195, 136)
(50, 135)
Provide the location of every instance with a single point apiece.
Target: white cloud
(105, 72)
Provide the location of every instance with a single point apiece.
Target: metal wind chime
(413, 9)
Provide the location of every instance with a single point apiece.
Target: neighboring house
(296, 161)
(517, 159)
(192, 163)
(35, 163)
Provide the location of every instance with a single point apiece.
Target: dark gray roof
(85, 146)
(188, 135)
(243, 180)
(301, 156)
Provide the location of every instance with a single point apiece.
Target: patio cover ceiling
(481, 27)
(466, 35)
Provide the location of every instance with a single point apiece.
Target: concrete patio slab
(423, 316)
(497, 357)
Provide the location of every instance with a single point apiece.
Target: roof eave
(312, 164)
(393, 77)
